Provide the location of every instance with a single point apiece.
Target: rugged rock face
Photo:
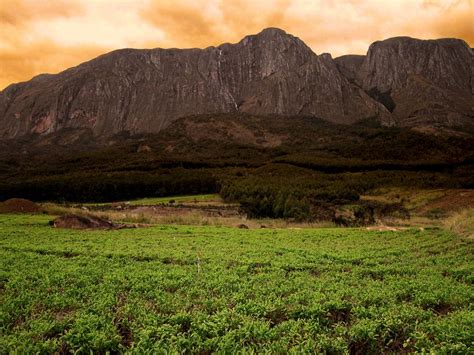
(349, 65)
(389, 64)
(401, 81)
(145, 90)
(423, 82)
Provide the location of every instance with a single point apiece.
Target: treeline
(283, 199)
(273, 190)
(356, 165)
(103, 187)
(283, 192)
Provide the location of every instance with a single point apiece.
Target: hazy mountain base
(300, 168)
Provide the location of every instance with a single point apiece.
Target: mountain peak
(409, 41)
(445, 62)
(270, 34)
(273, 31)
(276, 39)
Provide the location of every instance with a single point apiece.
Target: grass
(461, 223)
(412, 198)
(194, 218)
(176, 199)
(217, 289)
(150, 201)
(150, 217)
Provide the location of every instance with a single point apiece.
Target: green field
(212, 289)
(150, 201)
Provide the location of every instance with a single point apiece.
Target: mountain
(400, 81)
(349, 65)
(145, 90)
(422, 82)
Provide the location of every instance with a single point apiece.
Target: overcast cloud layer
(52, 35)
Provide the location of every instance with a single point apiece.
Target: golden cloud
(203, 23)
(457, 24)
(52, 35)
(22, 55)
(30, 59)
(338, 27)
(19, 12)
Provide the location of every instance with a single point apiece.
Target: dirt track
(181, 210)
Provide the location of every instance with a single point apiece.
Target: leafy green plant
(216, 289)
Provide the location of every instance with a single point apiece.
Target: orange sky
(38, 36)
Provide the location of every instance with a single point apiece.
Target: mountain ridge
(269, 73)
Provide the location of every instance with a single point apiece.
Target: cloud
(457, 23)
(202, 23)
(22, 53)
(20, 12)
(336, 26)
(52, 35)
(44, 56)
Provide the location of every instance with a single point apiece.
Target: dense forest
(314, 166)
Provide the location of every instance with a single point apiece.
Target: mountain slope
(423, 82)
(349, 65)
(145, 90)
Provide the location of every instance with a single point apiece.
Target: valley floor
(201, 289)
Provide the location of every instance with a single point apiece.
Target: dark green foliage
(285, 191)
(275, 197)
(300, 164)
(99, 187)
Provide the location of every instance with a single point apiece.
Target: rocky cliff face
(349, 65)
(390, 63)
(401, 80)
(145, 90)
(423, 82)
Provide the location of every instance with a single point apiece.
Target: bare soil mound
(19, 205)
(73, 221)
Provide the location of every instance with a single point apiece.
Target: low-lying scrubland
(201, 289)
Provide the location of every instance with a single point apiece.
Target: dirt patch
(19, 205)
(452, 200)
(62, 314)
(73, 221)
(442, 309)
(183, 210)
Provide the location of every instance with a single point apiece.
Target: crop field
(202, 289)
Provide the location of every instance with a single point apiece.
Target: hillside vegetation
(273, 166)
